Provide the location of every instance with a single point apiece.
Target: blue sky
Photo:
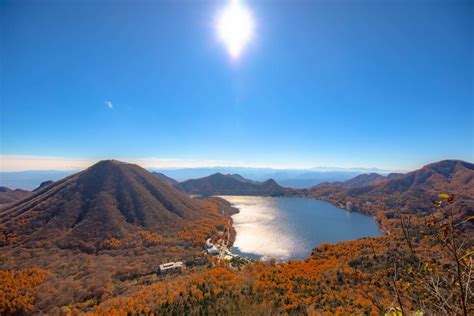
(385, 84)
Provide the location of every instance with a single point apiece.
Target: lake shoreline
(289, 244)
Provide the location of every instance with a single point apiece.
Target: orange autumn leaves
(18, 288)
(197, 232)
(323, 282)
(140, 238)
(192, 290)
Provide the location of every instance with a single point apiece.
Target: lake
(289, 227)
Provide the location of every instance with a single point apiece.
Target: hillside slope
(109, 199)
(412, 192)
(360, 180)
(165, 178)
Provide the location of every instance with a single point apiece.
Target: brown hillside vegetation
(360, 180)
(8, 195)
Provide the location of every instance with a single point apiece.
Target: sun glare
(235, 27)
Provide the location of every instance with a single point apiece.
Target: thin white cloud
(109, 104)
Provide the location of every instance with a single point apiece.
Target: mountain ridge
(165, 178)
(409, 193)
(8, 195)
(231, 184)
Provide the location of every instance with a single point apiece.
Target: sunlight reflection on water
(287, 228)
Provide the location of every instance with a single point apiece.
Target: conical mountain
(109, 199)
(228, 184)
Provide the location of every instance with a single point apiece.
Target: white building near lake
(171, 267)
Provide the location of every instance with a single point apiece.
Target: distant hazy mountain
(8, 195)
(231, 184)
(30, 180)
(165, 178)
(109, 199)
(358, 170)
(293, 178)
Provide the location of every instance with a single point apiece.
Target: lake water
(289, 228)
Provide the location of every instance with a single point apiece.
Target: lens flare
(235, 27)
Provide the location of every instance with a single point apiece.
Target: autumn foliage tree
(431, 270)
(18, 289)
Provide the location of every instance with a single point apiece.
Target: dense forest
(53, 280)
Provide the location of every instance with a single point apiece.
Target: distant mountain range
(231, 184)
(236, 184)
(30, 180)
(294, 178)
(109, 199)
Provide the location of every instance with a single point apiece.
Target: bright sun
(235, 27)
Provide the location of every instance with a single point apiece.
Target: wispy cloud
(109, 104)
